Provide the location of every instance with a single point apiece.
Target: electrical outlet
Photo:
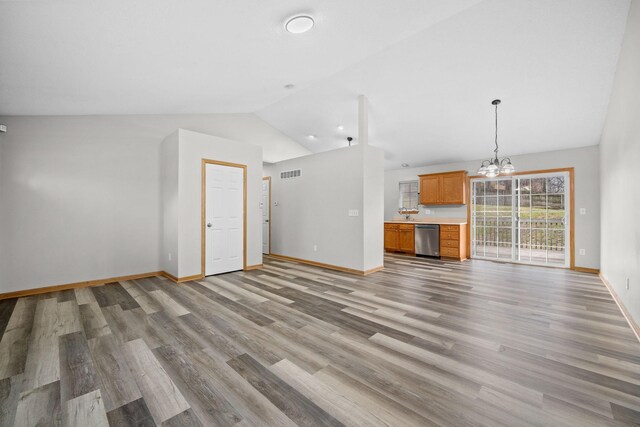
(627, 283)
(315, 248)
(354, 212)
(583, 211)
(427, 211)
(583, 252)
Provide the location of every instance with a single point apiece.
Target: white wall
(373, 208)
(193, 147)
(620, 176)
(587, 192)
(169, 204)
(313, 208)
(80, 196)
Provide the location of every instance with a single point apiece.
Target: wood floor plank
(160, 393)
(112, 294)
(168, 304)
(135, 413)
(43, 359)
(93, 321)
(146, 301)
(77, 373)
(10, 389)
(117, 386)
(6, 310)
(345, 410)
(199, 385)
(185, 419)
(68, 317)
(40, 406)
(86, 410)
(84, 296)
(15, 340)
(295, 405)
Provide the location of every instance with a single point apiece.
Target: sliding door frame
(571, 171)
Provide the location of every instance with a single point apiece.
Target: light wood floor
(424, 342)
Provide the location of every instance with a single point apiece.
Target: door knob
(209, 224)
(266, 220)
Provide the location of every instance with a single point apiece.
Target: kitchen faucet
(404, 211)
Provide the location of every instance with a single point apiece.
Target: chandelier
(494, 167)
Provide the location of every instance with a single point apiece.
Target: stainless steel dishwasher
(428, 239)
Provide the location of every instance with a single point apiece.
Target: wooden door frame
(268, 178)
(572, 214)
(206, 162)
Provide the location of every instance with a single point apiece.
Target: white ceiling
(187, 56)
(551, 62)
(429, 68)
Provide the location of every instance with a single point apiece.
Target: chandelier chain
(496, 140)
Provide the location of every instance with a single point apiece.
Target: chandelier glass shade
(496, 166)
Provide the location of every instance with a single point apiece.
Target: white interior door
(266, 208)
(224, 219)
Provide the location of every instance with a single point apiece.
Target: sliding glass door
(521, 218)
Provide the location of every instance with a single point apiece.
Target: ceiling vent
(290, 174)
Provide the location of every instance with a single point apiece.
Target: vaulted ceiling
(429, 68)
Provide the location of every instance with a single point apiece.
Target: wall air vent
(290, 174)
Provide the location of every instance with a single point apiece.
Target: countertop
(440, 221)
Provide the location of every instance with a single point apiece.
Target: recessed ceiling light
(289, 86)
(340, 127)
(299, 24)
(405, 165)
(311, 136)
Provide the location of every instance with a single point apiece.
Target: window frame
(401, 197)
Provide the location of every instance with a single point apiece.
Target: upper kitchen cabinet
(448, 188)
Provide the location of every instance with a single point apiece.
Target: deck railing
(533, 234)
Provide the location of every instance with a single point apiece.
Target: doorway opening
(224, 217)
(525, 218)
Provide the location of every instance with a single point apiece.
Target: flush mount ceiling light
(299, 24)
(494, 167)
(311, 136)
(405, 165)
(340, 127)
(289, 86)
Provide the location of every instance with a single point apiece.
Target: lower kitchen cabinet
(391, 237)
(407, 233)
(453, 241)
(399, 238)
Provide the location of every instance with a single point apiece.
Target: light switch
(583, 211)
(354, 212)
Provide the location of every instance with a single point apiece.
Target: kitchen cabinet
(453, 241)
(449, 188)
(391, 237)
(399, 238)
(407, 238)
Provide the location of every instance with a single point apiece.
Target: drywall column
(169, 201)
(372, 192)
(363, 120)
